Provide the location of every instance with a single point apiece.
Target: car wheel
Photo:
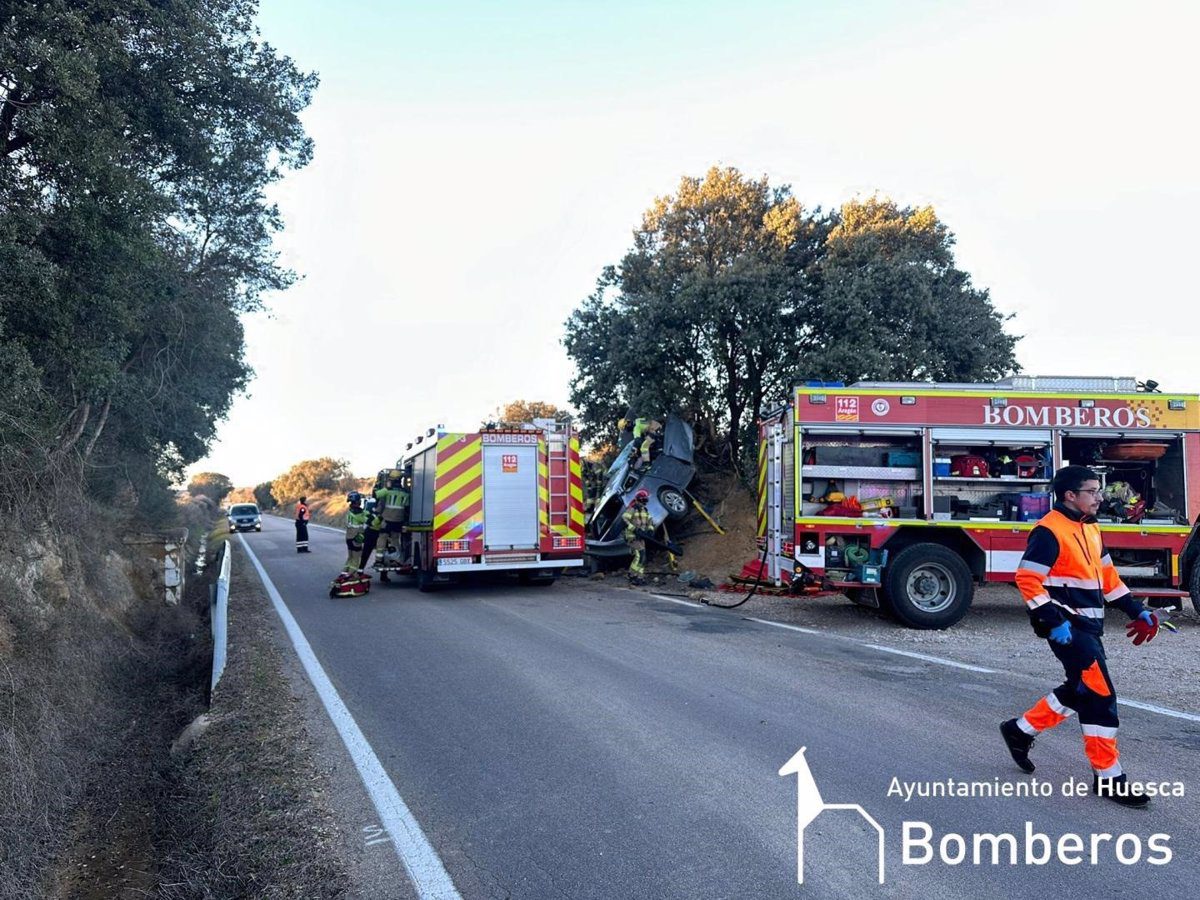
(674, 503)
(258, 528)
(928, 586)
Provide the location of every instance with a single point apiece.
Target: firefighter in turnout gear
(374, 525)
(394, 512)
(645, 433)
(356, 526)
(1068, 580)
(302, 517)
(638, 526)
(351, 582)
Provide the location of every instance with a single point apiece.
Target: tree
(893, 306)
(309, 477)
(733, 291)
(241, 495)
(523, 412)
(137, 143)
(704, 314)
(213, 485)
(264, 497)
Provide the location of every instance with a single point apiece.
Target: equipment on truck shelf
(968, 468)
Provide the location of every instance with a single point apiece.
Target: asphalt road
(584, 740)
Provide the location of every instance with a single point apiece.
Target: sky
(478, 163)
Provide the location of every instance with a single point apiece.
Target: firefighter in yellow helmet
(638, 526)
(394, 500)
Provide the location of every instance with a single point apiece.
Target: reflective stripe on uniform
(1034, 567)
(1087, 612)
(1099, 731)
(1056, 705)
(1087, 584)
(1116, 593)
(1039, 600)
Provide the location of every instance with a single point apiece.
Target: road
(584, 741)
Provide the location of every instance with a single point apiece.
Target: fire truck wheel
(424, 576)
(539, 579)
(928, 586)
(1193, 584)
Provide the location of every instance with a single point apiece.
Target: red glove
(1143, 628)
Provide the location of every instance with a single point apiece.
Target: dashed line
(1161, 710)
(933, 659)
(1135, 704)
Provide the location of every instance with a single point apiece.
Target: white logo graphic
(809, 805)
(881, 407)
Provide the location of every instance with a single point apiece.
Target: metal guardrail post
(220, 616)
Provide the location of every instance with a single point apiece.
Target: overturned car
(666, 479)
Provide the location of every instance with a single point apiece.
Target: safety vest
(356, 522)
(1067, 574)
(301, 512)
(395, 504)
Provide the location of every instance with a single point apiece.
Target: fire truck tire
(928, 586)
(1193, 583)
(424, 576)
(539, 579)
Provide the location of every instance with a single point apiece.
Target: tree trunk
(91, 444)
(79, 415)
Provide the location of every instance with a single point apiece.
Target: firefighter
(374, 525)
(356, 526)
(638, 525)
(395, 499)
(645, 433)
(1068, 580)
(302, 517)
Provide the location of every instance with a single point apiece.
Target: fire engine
(492, 501)
(906, 495)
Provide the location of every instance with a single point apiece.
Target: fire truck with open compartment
(493, 500)
(907, 495)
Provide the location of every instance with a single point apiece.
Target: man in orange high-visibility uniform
(1067, 580)
(302, 517)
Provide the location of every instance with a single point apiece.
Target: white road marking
(420, 860)
(933, 659)
(1161, 710)
(1135, 704)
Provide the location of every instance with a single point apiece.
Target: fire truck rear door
(510, 497)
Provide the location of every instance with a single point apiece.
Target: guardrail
(219, 613)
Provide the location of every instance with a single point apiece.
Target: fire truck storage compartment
(995, 474)
(863, 464)
(1158, 476)
(510, 497)
(420, 510)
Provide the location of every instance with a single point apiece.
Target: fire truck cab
(906, 495)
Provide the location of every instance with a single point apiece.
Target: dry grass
(242, 814)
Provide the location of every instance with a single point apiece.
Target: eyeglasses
(1092, 491)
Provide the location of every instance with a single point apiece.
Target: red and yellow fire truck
(906, 495)
(494, 500)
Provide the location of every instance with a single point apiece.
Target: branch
(80, 413)
(91, 444)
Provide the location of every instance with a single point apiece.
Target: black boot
(1019, 744)
(1118, 789)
